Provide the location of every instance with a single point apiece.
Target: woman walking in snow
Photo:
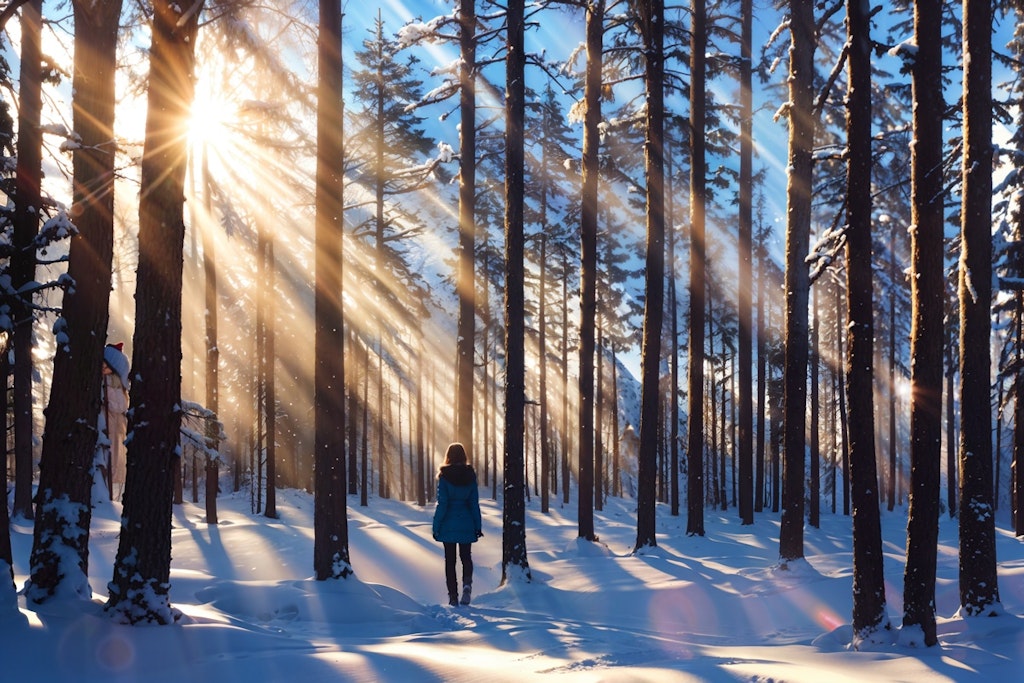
(457, 522)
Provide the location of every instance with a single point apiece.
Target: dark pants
(465, 553)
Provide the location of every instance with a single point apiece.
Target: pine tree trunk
(588, 265)
(466, 336)
(652, 16)
(1017, 468)
(23, 260)
(673, 359)
(330, 511)
(514, 557)
(762, 364)
(212, 349)
(69, 442)
(979, 592)
(798, 226)
(745, 407)
(927, 290)
(542, 364)
(814, 494)
(868, 579)
(695, 357)
(139, 588)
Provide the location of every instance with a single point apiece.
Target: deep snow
(716, 608)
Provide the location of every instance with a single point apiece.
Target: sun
(210, 119)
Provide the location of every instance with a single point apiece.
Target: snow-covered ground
(715, 608)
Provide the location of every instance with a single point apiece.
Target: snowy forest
(753, 257)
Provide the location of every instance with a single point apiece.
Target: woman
(457, 522)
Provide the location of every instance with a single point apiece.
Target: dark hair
(456, 455)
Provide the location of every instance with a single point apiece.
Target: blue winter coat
(457, 516)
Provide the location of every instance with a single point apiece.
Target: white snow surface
(712, 608)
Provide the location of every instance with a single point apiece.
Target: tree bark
(466, 339)
(139, 588)
(979, 591)
(27, 212)
(69, 442)
(926, 333)
(798, 226)
(745, 436)
(514, 557)
(695, 357)
(588, 265)
(330, 510)
(652, 27)
(868, 579)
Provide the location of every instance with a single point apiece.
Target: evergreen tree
(388, 155)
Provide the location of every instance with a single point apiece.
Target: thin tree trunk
(542, 364)
(891, 504)
(814, 494)
(1017, 469)
(798, 223)
(212, 350)
(514, 555)
(762, 362)
(698, 199)
(927, 336)
(466, 339)
(868, 579)
(745, 437)
(588, 265)
(23, 261)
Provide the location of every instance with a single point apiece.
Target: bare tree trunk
(1017, 469)
(868, 580)
(798, 226)
(814, 494)
(466, 338)
(23, 261)
(139, 588)
(927, 293)
(652, 27)
(60, 544)
(891, 502)
(514, 555)
(979, 588)
(330, 509)
(588, 265)
(212, 349)
(698, 198)
(762, 363)
(745, 405)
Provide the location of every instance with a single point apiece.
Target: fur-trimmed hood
(457, 475)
